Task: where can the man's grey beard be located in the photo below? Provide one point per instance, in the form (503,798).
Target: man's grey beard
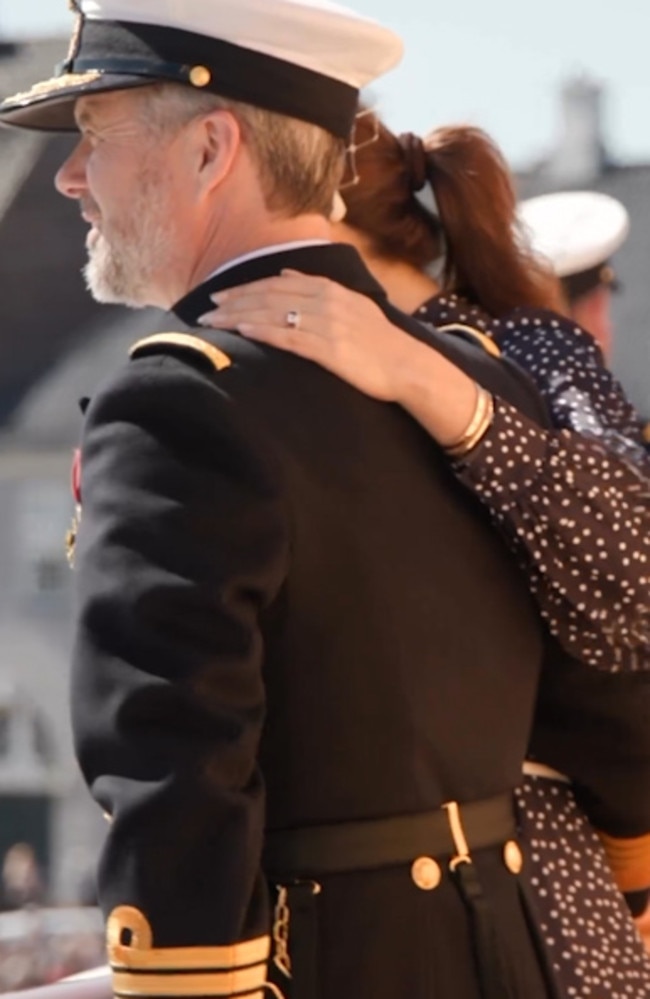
(130,267)
(114,277)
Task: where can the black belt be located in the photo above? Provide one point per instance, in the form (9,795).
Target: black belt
(453,831)
(357,846)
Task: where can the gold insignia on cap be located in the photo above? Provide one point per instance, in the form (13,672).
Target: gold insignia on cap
(53,85)
(200,76)
(186,341)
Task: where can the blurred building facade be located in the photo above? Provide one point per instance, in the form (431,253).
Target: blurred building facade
(56,345)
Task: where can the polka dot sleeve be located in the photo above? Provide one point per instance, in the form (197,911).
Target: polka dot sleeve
(569,370)
(577,517)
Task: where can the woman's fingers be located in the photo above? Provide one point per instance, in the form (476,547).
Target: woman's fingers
(267,323)
(292,284)
(305,342)
(319,320)
(320,306)
(273,314)
(274,308)
(276,303)
(230,317)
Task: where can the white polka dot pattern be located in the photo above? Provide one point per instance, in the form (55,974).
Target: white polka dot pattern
(594,949)
(567,366)
(572,507)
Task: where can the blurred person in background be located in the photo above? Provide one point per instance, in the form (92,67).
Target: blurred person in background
(22,884)
(577,233)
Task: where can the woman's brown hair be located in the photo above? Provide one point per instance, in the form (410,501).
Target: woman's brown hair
(474,224)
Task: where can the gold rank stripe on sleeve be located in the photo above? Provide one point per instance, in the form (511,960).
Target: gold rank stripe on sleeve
(239,955)
(241,983)
(186,341)
(485,341)
(140,969)
(629,860)
(258,994)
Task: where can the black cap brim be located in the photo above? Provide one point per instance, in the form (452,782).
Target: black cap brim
(110,55)
(49,106)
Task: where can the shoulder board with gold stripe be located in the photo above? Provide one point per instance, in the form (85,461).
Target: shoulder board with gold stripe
(182,341)
(485,341)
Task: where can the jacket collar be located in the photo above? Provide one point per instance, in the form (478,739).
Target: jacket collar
(337,261)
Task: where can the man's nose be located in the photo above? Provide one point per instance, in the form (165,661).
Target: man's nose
(70,179)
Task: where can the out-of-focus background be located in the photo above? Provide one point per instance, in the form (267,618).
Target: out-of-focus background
(563,86)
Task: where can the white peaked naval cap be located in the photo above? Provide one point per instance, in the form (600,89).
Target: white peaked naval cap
(576,231)
(306,59)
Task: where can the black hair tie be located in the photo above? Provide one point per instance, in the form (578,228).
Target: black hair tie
(415,156)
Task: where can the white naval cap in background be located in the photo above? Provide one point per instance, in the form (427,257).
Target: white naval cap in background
(576,232)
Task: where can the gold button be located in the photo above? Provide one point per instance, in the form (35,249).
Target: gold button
(513,857)
(200,76)
(426,873)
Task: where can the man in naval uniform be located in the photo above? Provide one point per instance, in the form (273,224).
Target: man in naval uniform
(305,667)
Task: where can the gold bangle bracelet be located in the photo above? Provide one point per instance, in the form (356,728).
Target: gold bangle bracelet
(480,428)
(477,427)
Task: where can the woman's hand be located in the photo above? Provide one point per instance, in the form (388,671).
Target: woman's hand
(348,334)
(341,330)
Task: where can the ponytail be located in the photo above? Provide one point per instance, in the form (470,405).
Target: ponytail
(487,259)
(449,198)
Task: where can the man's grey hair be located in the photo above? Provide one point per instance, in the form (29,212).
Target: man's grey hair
(300,164)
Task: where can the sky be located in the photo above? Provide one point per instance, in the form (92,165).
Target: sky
(499,64)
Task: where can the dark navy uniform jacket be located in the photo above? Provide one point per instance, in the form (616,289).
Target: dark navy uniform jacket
(289,614)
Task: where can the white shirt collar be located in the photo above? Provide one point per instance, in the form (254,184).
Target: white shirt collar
(265,251)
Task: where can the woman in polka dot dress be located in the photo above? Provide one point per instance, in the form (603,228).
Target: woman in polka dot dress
(571,503)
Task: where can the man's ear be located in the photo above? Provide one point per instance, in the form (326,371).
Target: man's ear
(219,141)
